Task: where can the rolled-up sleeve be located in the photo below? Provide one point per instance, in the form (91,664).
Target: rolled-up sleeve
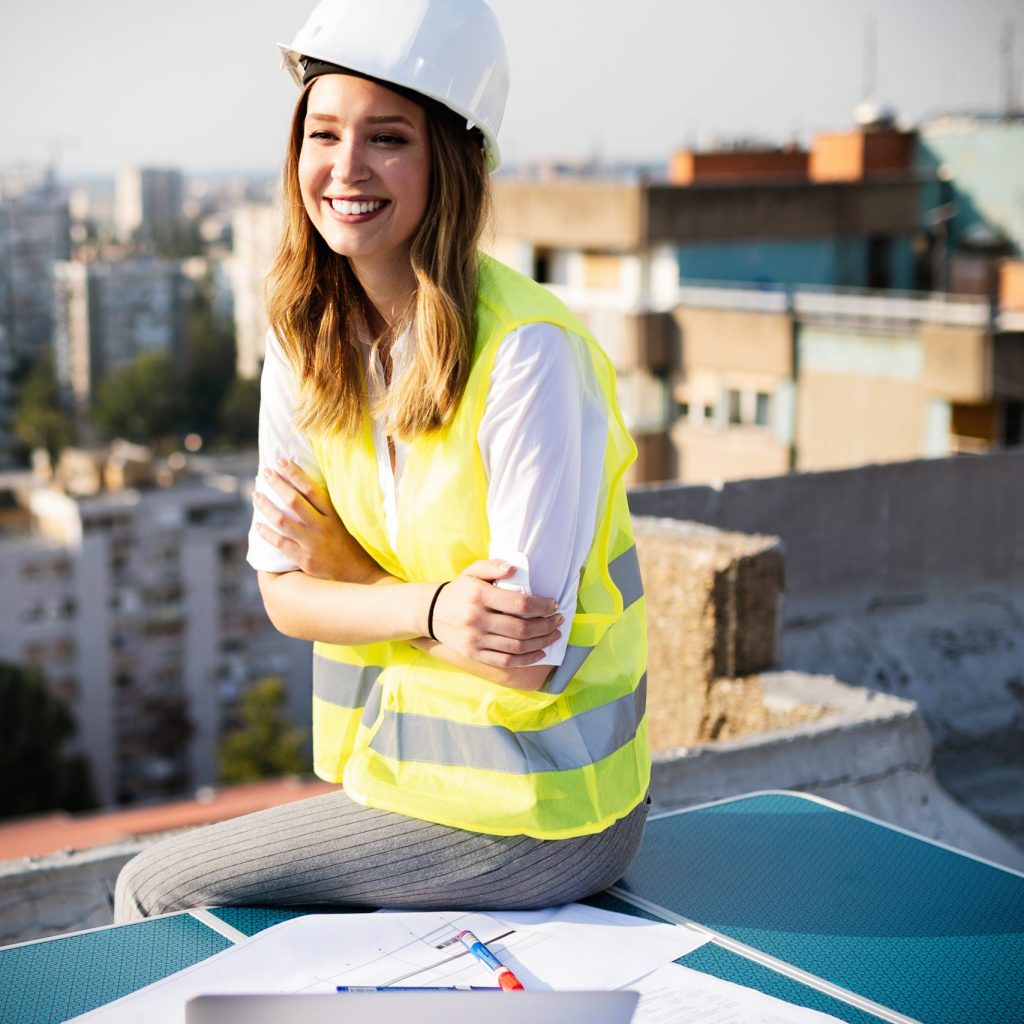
(278,438)
(542,438)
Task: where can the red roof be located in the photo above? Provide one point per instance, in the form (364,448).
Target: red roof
(48,833)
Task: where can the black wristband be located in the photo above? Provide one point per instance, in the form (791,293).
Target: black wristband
(430,614)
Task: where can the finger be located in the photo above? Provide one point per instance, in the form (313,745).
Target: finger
(499,659)
(270,536)
(514,627)
(489,569)
(511,602)
(287,547)
(315,493)
(529,645)
(294,501)
(277,519)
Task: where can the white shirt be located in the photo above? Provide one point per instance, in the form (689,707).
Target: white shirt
(542,439)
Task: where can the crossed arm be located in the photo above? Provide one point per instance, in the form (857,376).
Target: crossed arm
(339,594)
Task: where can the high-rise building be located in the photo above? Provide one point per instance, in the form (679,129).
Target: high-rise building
(34,234)
(256,229)
(108,313)
(148,201)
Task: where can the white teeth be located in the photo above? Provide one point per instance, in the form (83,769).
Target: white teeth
(346,207)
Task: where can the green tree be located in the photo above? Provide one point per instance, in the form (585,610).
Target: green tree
(41,420)
(210,361)
(265,743)
(143,401)
(35,774)
(178,239)
(240,412)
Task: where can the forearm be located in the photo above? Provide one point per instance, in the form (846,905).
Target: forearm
(378,609)
(529,677)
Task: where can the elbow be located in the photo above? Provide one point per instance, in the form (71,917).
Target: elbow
(270,584)
(530,679)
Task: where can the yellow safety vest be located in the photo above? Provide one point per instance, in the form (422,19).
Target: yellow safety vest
(408,733)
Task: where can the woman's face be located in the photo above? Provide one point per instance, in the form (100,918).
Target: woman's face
(364,169)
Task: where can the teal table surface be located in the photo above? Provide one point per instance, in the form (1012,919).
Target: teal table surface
(927,931)
(930,933)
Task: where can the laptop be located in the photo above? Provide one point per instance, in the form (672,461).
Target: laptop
(416,1008)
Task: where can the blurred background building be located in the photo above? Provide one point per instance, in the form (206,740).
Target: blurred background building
(777,310)
(126,584)
(149,202)
(34,236)
(109,312)
(255,230)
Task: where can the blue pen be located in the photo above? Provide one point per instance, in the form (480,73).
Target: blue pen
(418,988)
(505,978)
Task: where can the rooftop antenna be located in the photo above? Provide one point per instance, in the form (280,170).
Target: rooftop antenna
(870,59)
(1009,81)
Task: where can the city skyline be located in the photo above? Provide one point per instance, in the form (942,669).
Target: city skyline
(198,86)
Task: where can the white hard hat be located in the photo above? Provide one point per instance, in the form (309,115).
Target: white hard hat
(449,50)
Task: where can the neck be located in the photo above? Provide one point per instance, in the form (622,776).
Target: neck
(389,285)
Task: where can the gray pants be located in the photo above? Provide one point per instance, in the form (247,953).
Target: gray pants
(331,851)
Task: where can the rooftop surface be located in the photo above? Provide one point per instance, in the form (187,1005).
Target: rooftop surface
(49,833)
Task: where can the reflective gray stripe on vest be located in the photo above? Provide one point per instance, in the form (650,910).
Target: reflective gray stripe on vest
(347,686)
(575,743)
(625,573)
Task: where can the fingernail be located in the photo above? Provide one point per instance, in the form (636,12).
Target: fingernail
(282,461)
(559,620)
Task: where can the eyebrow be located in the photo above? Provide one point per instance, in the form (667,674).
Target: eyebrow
(383,119)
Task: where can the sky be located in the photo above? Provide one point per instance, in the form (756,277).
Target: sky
(101,84)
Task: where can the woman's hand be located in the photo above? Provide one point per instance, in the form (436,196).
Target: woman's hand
(310,533)
(500,628)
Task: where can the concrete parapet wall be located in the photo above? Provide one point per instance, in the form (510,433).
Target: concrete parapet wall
(62,892)
(907,578)
(713,601)
(876,533)
(870,752)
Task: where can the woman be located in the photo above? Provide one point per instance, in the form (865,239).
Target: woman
(439,439)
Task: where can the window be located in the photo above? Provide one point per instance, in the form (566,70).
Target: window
(762,409)
(735,406)
(542,265)
(33,613)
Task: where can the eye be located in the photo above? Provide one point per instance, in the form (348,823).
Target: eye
(387,139)
(321,134)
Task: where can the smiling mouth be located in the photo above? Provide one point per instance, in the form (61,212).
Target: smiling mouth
(344,206)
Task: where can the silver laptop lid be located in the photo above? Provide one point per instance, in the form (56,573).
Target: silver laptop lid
(416,1008)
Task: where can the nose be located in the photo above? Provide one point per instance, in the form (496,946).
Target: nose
(349,163)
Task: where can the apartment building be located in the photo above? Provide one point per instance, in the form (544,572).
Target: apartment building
(754,309)
(148,201)
(108,312)
(255,231)
(34,233)
(139,608)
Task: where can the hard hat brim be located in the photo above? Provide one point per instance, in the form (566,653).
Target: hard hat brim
(291,62)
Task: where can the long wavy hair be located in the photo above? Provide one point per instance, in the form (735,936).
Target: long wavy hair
(316,305)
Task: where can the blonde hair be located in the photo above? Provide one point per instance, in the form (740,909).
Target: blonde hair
(316,306)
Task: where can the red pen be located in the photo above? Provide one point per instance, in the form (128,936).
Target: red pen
(504,977)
